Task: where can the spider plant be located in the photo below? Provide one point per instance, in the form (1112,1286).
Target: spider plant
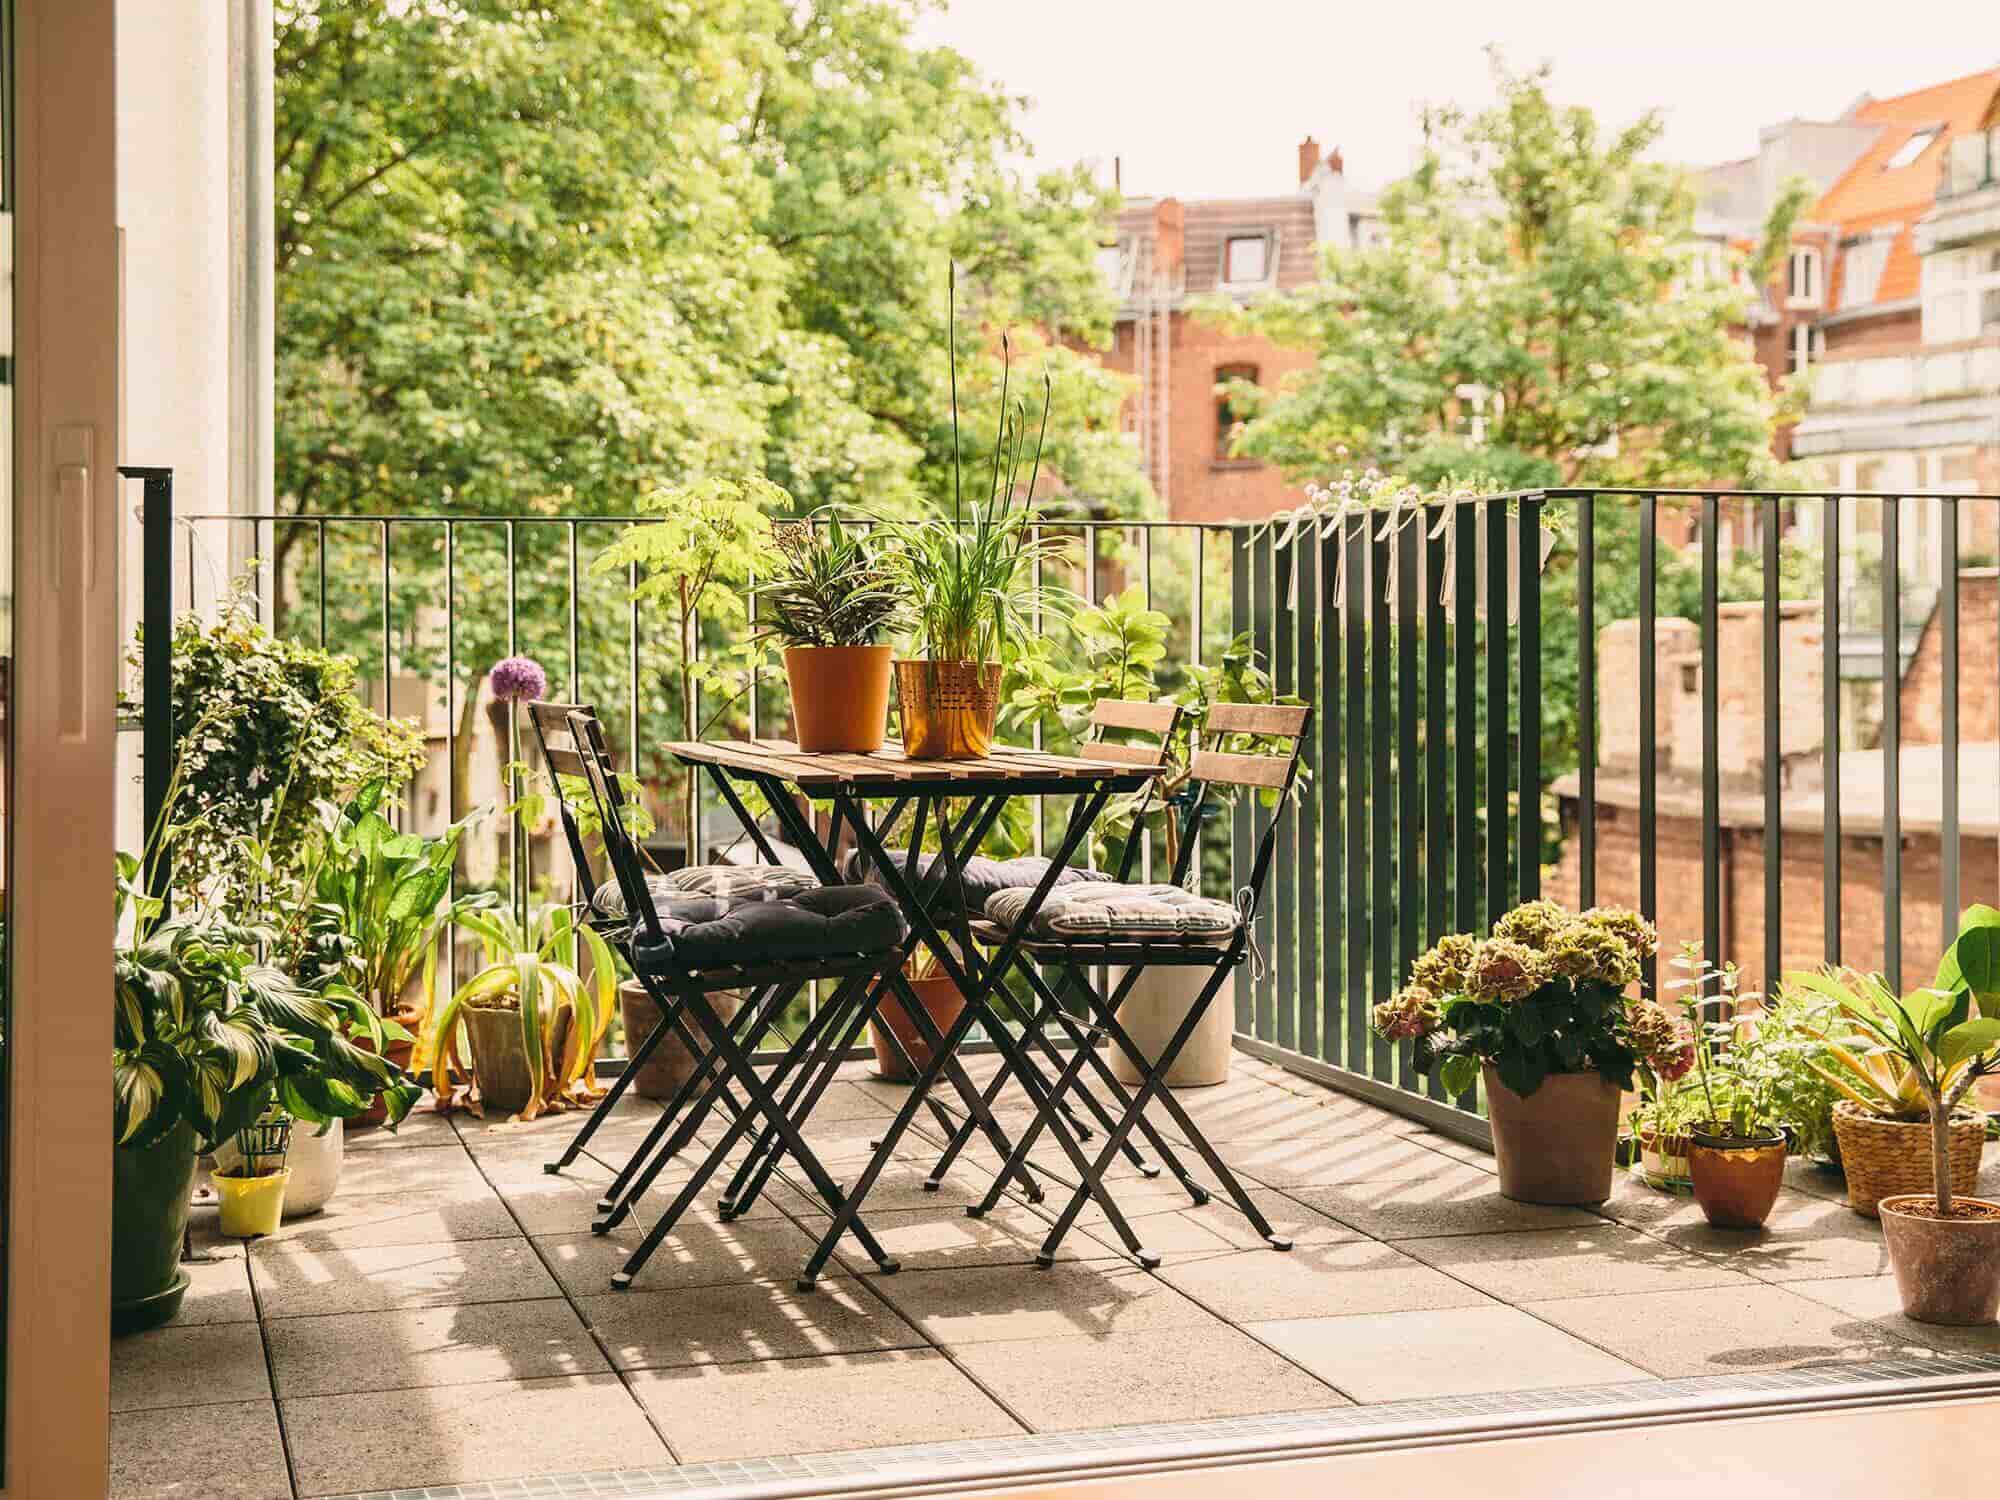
(535,969)
(829,589)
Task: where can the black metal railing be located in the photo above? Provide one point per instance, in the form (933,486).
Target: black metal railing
(1455,764)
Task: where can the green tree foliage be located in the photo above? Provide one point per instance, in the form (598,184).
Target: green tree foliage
(1547,261)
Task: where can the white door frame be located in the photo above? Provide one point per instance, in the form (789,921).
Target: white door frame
(66,444)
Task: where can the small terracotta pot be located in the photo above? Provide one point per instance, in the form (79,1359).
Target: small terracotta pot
(670,1063)
(1736,1179)
(941,1002)
(1948,1270)
(399,1053)
(1558,1144)
(840,696)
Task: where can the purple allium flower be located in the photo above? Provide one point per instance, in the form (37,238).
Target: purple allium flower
(519,678)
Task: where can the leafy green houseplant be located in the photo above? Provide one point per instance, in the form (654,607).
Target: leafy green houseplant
(827,603)
(1541,1010)
(523,1032)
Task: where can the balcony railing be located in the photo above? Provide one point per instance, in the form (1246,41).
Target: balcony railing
(1477,742)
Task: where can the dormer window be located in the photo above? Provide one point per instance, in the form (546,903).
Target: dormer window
(1247,259)
(1802,279)
(1114,264)
(1919,142)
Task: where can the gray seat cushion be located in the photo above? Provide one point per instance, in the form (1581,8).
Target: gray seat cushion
(832,921)
(983,878)
(756,882)
(1110,912)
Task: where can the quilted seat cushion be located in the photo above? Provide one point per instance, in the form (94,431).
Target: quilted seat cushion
(1109,911)
(752,882)
(822,922)
(983,878)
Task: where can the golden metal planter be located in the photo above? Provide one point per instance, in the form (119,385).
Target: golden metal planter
(948,708)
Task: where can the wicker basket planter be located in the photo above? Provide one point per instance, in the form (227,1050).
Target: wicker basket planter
(1886,1157)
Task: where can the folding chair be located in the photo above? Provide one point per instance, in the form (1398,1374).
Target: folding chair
(704,944)
(1107,716)
(1169,926)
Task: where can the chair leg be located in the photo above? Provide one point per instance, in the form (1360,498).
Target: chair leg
(610,1100)
(805,1057)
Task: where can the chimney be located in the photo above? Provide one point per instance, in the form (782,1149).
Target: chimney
(1169,238)
(1329,200)
(1308,159)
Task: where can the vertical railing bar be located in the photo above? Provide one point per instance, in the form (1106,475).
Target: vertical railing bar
(256,556)
(575,609)
(1465,712)
(1383,1060)
(1306,619)
(1035,614)
(1090,597)
(1497,744)
(388,647)
(452,790)
(1361,1049)
(1265,612)
(1437,914)
(1285,872)
(1240,620)
(321,529)
(1333,924)
(1194,655)
(1892,742)
(1528,532)
(1948,751)
(1145,834)
(756,671)
(1711,739)
(1409,771)
(1829,610)
(1586,700)
(1649,697)
(1774,809)
(632,666)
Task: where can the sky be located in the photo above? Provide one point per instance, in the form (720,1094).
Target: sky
(1211,99)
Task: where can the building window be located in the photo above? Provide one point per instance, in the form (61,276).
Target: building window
(1802,279)
(1246,259)
(1863,263)
(1808,347)
(1919,142)
(1114,264)
(1961,295)
(1225,419)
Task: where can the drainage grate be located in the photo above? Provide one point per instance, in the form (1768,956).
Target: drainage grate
(1074,1454)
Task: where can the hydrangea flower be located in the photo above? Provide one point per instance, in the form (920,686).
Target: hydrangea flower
(1443,969)
(1664,1041)
(1628,926)
(1504,971)
(1538,924)
(1585,952)
(516,679)
(1411,1013)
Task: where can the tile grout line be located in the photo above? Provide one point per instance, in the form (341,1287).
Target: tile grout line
(271,1374)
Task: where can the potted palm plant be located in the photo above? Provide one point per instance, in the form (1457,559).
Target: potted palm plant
(531,1019)
(969,587)
(826,605)
(1944,1244)
(1540,1011)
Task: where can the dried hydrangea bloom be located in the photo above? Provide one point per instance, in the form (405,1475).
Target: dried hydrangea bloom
(1632,929)
(1586,952)
(517,679)
(1663,1040)
(1504,970)
(1412,1012)
(1536,923)
(1442,971)
(790,536)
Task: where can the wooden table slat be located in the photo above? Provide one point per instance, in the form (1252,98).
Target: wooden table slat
(784,760)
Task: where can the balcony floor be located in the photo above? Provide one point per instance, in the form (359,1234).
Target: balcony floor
(448,1318)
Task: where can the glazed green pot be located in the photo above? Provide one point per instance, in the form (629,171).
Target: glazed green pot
(149,1213)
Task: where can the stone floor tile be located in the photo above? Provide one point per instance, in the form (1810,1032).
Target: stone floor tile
(294,1281)
(423,1126)
(985,1303)
(1803,1175)
(1219,1225)
(1118,1379)
(1314,1281)
(1456,1199)
(357,1220)
(1458,1351)
(1327,1157)
(700,1252)
(752,1320)
(1720,1330)
(461,1434)
(369,1172)
(180,1452)
(1585,1261)
(421,1347)
(817,1405)
(189,1366)
(1877,1299)
(218,1291)
(942,1237)
(1805,1239)
(1637,1204)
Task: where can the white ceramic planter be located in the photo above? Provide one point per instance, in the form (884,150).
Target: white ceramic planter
(315,1162)
(1153,1012)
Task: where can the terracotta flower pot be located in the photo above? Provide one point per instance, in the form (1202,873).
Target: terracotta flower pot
(948,708)
(1558,1144)
(1736,1180)
(670,1063)
(840,696)
(1948,1270)
(399,1053)
(941,1001)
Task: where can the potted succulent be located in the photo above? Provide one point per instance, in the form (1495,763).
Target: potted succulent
(826,605)
(969,587)
(532,1018)
(1884,1120)
(1944,1244)
(1540,1011)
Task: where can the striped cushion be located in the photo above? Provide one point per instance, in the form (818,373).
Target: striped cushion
(1107,910)
(731,882)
